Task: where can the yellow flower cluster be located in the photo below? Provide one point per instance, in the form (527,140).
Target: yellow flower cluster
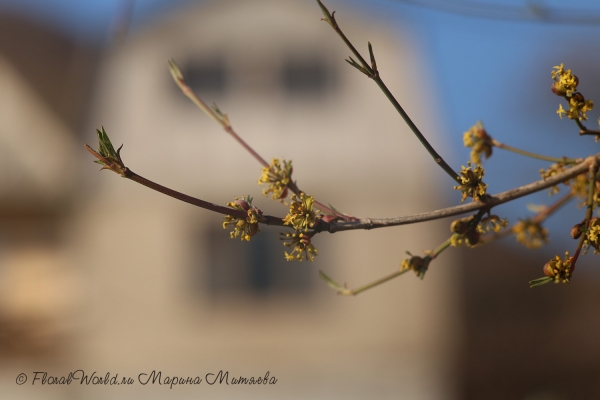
(417,264)
(471,182)
(565,82)
(278,177)
(479,141)
(465,232)
(550,172)
(301,215)
(578,107)
(559,269)
(492,223)
(247,227)
(468,232)
(302,247)
(565,85)
(471,238)
(529,234)
(579,185)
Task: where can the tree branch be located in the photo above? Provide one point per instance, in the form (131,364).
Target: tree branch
(125,172)
(492,201)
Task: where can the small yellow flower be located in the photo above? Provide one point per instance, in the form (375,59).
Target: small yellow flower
(479,141)
(243,228)
(492,223)
(302,246)
(561,111)
(559,70)
(529,234)
(301,215)
(471,182)
(278,178)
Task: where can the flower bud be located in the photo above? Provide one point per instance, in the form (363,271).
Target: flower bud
(252,229)
(243,204)
(549,269)
(459,226)
(416,263)
(578,97)
(482,134)
(576,231)
(558,89)
(472,237)
(284,193)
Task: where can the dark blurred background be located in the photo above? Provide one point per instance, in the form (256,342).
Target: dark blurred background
(99,274)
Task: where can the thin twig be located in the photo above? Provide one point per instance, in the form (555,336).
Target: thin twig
(436,252)
(430,256)
(372,72)
(589,132)
(580,125)
(593,169)
(221,119)
(563,160)
(354,292)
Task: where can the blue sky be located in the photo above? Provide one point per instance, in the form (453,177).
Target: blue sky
(87,19)
(498,71)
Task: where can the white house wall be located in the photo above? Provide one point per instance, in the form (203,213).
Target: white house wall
(349,149)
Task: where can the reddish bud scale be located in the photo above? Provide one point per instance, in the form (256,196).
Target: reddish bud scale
(472,237)
(548,270)
(329,218)
(243,204)
(304,239)
(576,231)
(284,193)
(558,89)
(578,97)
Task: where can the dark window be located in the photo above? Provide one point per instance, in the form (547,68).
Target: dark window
(257,267)
(309,76)
(206,76)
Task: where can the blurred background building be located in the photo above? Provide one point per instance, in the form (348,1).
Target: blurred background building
(101,274)
(45,80)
